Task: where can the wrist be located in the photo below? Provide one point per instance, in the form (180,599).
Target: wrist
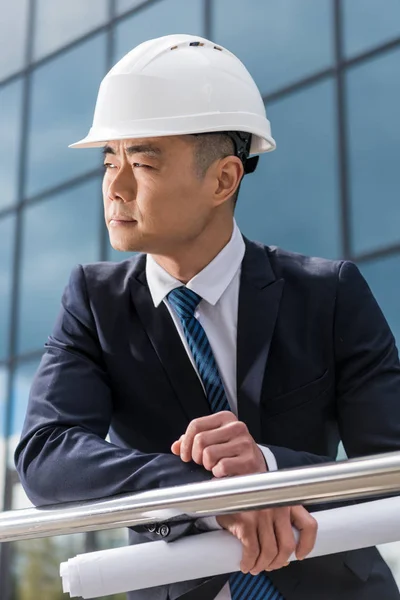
(262,461)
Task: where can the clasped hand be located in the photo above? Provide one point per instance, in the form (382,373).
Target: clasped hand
(224,446)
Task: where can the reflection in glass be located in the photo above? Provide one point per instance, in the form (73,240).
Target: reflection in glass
(374,134)
(7,228)
(63,98)
(292,198)
(111,538)
(10,123)
(124,5)
(21,383)
(58,233)
(36,563)
(58,23)
(160,18)
(3,401)
(368,23)
(279,42)
(383,276)
(13,31)
(116,255)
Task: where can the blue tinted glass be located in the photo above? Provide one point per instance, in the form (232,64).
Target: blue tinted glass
(383,276)
(13,29)
(374,140)
(160,18)
(292,198)
(7,228)
(36,563)
(279,42)
(116,255)
(3,399)
(21,383)
(124,5)
(58,233)
(63,99)
(57,23)
(10,127)
(368,23)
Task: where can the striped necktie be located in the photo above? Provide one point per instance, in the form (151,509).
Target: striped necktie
(184,302)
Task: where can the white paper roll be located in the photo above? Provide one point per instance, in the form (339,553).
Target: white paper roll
(216,552)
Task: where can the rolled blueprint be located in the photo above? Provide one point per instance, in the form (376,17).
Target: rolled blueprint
(216,552)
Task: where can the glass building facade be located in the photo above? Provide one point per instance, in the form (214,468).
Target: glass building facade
(329,71)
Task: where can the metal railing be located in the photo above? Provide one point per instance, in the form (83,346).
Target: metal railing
(356,478)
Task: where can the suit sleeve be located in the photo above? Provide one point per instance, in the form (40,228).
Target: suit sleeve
(63,455)
(367,374)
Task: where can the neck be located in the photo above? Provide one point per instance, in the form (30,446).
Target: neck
(192,257)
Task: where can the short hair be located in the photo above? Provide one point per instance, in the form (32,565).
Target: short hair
(209,147)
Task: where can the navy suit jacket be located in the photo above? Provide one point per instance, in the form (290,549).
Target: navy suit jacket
(316,363)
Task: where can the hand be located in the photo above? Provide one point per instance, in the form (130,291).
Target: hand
(267,536)
(222,444)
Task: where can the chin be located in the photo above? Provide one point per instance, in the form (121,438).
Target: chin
(124,245)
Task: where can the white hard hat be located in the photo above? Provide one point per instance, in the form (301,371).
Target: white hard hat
(178,85)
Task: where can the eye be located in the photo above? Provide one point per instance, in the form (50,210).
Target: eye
(108,166)
(140,165)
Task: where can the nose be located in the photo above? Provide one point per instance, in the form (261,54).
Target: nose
(122,187)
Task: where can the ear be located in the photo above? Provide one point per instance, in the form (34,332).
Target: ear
(229,173)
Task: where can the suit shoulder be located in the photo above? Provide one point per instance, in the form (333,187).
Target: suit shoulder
(112,274)
(295,266)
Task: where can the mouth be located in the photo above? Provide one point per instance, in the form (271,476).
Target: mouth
(120,221)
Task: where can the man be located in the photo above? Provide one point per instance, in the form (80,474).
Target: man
(207,355)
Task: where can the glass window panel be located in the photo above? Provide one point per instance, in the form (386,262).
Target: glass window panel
(292,198)
(10,127)
(3,401)
(124,5)
(116,255)
(58,233)
(35,569)
(63,99)
(58,23)
(21,383)
(368,23)
(112,538)
(374,134)
(383,276)
(7,230)
(13,31)
(279,42)
(160,18)
(36,563)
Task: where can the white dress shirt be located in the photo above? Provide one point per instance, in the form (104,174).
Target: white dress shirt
(218,285)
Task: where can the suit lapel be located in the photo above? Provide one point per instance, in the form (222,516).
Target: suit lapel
(168,346)
(259,298)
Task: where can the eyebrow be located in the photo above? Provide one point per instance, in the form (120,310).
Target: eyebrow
(149,150)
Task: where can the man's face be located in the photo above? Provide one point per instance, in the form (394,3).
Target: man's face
(154,201)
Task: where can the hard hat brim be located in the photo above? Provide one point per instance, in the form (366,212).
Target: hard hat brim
(262,140)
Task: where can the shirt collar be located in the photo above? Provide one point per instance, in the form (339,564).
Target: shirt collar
(210,283)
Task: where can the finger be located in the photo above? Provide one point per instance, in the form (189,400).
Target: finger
(308,529)
(267,541)
(176,446)
(285,538)
(209,446)
(251,547)
(230,466)
(201,424)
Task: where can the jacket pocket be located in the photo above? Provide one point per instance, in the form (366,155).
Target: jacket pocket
(299,396)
